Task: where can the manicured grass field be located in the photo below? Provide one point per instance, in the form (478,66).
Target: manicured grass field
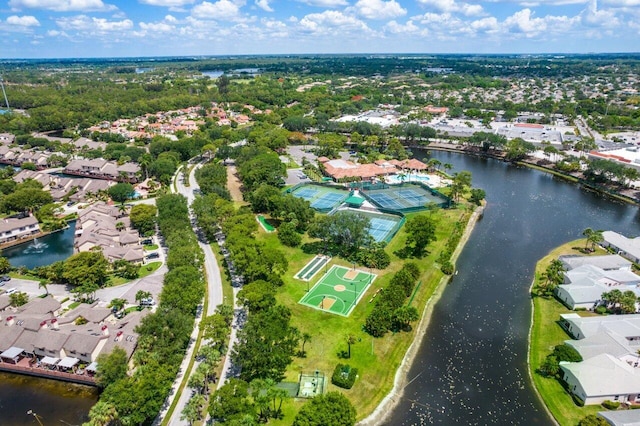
(339,290)
(545,335)
(376,359)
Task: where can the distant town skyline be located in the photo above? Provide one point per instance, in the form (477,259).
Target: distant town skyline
(119,28)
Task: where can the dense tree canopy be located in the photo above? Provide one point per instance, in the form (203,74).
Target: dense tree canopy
(331,409)
(266,344)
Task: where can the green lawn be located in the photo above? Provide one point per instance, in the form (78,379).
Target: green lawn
(148,269)
(545,335)
(376,359)
(151,247)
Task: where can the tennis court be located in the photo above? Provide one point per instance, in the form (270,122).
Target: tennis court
(382,226)
(404,197)
(322,198)
(339,290)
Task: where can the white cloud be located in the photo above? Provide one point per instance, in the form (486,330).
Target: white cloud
(167,3)
(264,5)
(594,17)
(450,6)
(222,9)
(85,23)
(485,25)
(379,9)
(156,27)
(524,22)
(396,28)
(623,3)
(325,3)
(23,21)
(330,20)
(62,5)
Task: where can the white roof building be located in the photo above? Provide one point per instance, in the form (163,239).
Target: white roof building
(585,284)
(626,247)
(602,378)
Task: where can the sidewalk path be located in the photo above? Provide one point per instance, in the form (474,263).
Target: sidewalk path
(214,294)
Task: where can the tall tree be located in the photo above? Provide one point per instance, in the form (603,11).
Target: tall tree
(332,409)
(421,231)
(266,344)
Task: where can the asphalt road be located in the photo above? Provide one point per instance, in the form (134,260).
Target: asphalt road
(214,294)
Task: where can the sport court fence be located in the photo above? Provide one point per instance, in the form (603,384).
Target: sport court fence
(380,187)
(376,213)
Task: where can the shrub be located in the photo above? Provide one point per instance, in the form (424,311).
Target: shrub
(344,376)
(447,268)
(611,405)
(566,353)
(601,310)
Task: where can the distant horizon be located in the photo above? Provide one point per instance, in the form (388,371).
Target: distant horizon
(267,55)
(54,29)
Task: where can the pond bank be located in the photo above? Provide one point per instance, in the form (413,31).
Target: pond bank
(384,409)
(498,155)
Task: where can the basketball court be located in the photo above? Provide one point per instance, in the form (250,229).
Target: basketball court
(339,290)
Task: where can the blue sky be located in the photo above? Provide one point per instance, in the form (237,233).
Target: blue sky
(103,28)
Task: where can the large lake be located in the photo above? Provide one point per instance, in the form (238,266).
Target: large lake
(471,368)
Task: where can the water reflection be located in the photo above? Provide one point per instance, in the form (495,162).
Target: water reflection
(55,403)
(471,368)
(42,251)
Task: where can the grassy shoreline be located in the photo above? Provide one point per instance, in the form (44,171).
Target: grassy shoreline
(544,334)
(382,362)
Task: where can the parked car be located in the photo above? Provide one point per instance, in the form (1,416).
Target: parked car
(147,302)
(147,242)
(153,255)
(11,290)
(5,278)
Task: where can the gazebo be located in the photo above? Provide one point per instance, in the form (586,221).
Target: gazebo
(49,361)
(354,201)
(12,355)
(68,362)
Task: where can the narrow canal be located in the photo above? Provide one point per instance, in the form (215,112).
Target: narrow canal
(471,368)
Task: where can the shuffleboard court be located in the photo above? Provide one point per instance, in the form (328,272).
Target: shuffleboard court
(339,290)
(312,268)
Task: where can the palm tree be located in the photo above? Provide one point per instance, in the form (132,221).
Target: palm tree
(118,304)
(43,284)
(593,238)
(102,413)
(587,233)
(141,295)
(305,338)
(351,339)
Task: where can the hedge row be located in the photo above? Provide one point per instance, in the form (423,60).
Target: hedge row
(163,335)
(452,243)
(389,312)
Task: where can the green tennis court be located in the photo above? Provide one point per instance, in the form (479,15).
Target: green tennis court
(322,198)
(339,290)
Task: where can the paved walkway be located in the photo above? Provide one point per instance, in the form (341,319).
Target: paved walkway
(215,298)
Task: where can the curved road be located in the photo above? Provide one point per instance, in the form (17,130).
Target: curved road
(214,294)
